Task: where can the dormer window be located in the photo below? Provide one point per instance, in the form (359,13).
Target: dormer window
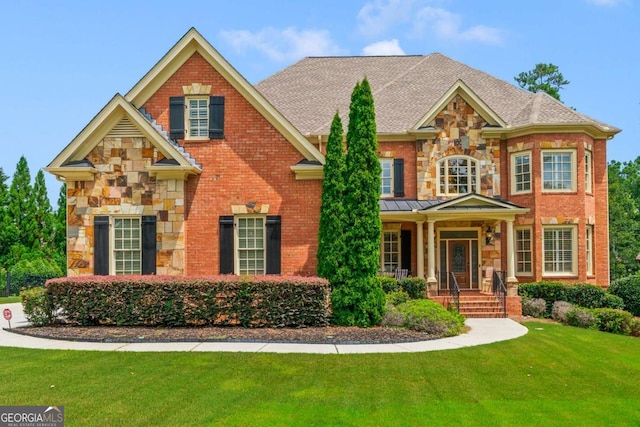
(458,175)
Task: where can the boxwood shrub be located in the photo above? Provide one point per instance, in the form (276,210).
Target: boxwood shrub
(611,320)
(414,286)
(249,301)
(426,316)
(580,294)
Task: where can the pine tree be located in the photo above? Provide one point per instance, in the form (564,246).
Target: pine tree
(331,238)
(360,299)
(21,206)
(8,235)
(43,216)
(60,229)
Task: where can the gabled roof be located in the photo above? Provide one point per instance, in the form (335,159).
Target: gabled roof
(406,90)
(193,42)
(71,162)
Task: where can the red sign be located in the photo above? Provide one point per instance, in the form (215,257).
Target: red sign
(6,313)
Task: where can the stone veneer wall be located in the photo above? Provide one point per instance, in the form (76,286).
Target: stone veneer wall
(459,129)
(123,187)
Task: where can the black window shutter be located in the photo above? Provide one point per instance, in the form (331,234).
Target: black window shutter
(226,245)
(148,244)
(405,248)
(101,245)
(216,117)
(176,117)
(398,177)
(273,244)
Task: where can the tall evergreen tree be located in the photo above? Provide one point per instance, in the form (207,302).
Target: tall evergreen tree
(43,216)
(60,229)
(360,299)
(8,235)
(21,206)
(331,238)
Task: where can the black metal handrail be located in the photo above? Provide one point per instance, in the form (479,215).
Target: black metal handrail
(500,290)
(454,291)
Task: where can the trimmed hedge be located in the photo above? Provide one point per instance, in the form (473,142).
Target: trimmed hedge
(628,288)
(581,294)
(414,286)
(248,301)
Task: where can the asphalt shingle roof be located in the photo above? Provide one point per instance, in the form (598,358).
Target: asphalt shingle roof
(309,92)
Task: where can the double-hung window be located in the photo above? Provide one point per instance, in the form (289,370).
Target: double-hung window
(523,251)
(198,117)
(589,249)
(390,251)
(521,173)
(127,247)
(251,245)
(559,250)
(558,170)
(588,172)
(458,175)
(386,177)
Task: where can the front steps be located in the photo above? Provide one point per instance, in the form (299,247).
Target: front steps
(474,304)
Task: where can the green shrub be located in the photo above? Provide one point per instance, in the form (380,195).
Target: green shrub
(249,301)
(37,306)
(534,307)
(392,317)
(628,288)
(581,317)
(548,291)
(414,286)
(389,284)
(585,295)
(634,330)
(612,301)
(560,311)
(31,273)
(3,282)
(395,298)
(612,320)
(430,317)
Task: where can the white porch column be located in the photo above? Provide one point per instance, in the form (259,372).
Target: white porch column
(511,255)
(420,244)
(431,253)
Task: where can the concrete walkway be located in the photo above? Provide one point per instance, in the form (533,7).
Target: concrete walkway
(483,331)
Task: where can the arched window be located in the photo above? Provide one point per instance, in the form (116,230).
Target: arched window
(458,175)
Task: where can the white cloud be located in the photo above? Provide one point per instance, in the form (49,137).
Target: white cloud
(285,45)
(383,48)
(448,26)
(379,16)
(605,2)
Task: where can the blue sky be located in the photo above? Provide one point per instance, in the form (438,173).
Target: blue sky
(62,61)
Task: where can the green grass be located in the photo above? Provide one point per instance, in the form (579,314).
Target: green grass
(555,375)
(9,300)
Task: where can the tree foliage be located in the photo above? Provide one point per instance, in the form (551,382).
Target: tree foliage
(21,205)
(624,218)
(331,237)
(359,300)
(544,77)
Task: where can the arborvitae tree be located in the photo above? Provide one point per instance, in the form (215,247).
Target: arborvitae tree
(43,215)
(360,299)
(21,205)
(331,238)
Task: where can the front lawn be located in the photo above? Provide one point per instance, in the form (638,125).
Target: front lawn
(555,375)
(9,300)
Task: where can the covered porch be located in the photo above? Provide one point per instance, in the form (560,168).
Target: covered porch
(465,244)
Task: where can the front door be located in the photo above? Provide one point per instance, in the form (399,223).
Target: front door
(459,256)
(459,261)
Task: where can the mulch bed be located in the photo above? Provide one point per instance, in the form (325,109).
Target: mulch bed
(312,335)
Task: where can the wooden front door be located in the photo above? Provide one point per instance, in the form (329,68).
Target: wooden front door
(459,262)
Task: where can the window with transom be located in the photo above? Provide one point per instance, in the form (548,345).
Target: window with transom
(458,175)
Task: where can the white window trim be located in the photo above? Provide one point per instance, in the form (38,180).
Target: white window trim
(514,183)
(236,242)
(382,251)
(588,172)
(589,249)
(391,171)
(187,121)
(573,170)
(112,242)
(574,252)
(530,251)
(474,189)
